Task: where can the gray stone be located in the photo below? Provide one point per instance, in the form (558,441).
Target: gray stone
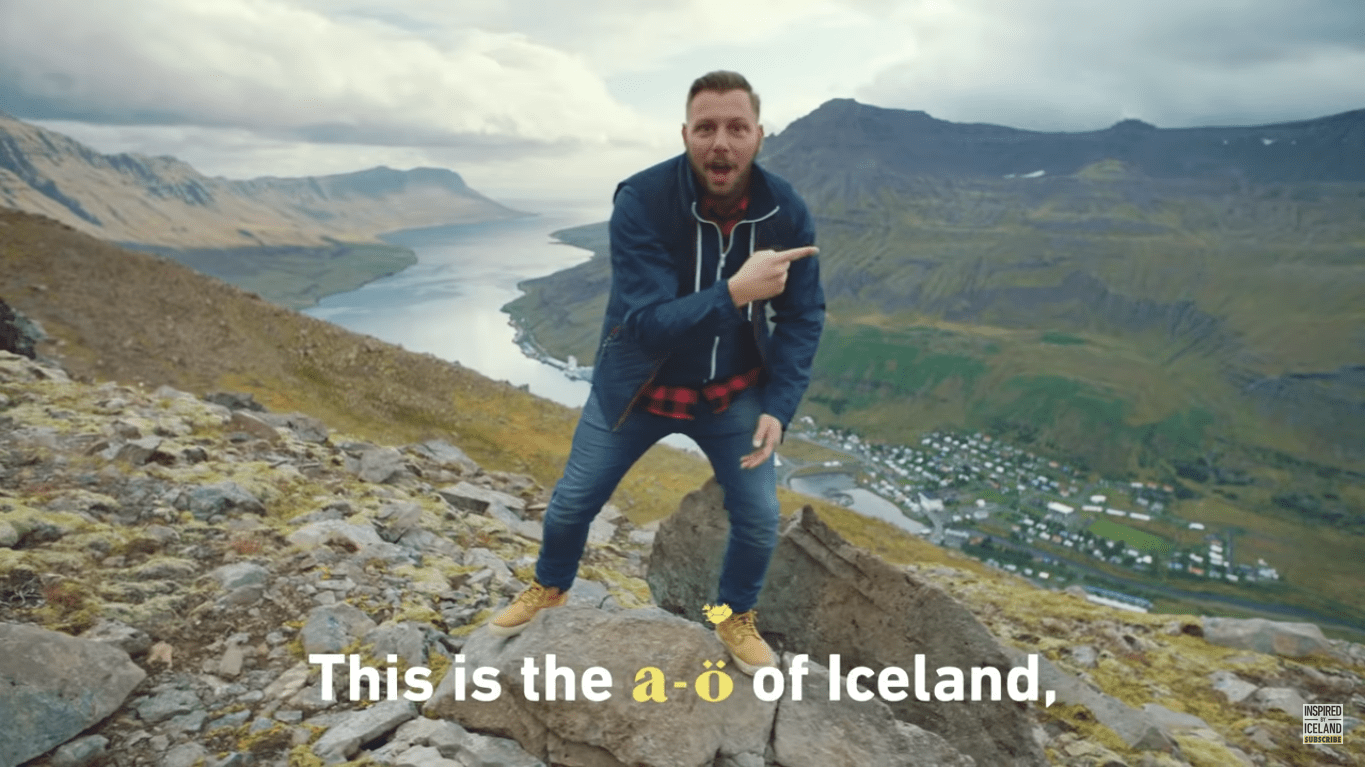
(425,756)
(484,751)
(363,540)
(1285,699)
(683,730)
(166,704)
(305,428)
(396,519)
(139,451)
(192,722)
(446,455)
(1292,640)
(240,574)
(592,594)
(379,465)
(600,531)
(817,732)
(230,665)
(1232,686)
(480,500)
(331,627)
(223,498)
(825,596)
(250,423)
(128,639)
(235,719)
(406,640)
(1172,721)
(55,687)
(344,739)
(1137,728)
(1084,656)
(79,752)
(184,755)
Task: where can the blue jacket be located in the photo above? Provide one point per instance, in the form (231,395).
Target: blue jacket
(670,304)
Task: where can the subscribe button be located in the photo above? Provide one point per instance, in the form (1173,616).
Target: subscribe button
(1324,723)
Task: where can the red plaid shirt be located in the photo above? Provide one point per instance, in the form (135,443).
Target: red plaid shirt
(725,218)
(677,401)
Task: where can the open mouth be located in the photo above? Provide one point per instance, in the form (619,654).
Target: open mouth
(720,173)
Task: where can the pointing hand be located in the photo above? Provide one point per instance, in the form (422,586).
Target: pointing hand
(764,275)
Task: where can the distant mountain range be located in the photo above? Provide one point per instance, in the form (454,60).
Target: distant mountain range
(869,143)
(1181,304)
(290,240)
(162,201)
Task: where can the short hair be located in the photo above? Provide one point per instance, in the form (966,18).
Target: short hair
(721,81)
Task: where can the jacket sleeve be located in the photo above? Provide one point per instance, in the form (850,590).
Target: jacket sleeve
(645,277)
(798,319)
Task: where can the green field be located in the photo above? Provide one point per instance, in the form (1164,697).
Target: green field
(1142,541)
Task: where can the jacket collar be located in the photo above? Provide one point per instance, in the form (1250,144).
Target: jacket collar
(762,203)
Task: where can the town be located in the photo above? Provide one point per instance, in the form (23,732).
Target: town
(1028,514)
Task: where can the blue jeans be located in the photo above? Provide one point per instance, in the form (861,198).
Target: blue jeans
(600,457)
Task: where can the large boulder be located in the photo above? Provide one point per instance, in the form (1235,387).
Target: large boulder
(55,686)
(18,334)
(682,731)
(824,596)
(688,727)
(1294,640)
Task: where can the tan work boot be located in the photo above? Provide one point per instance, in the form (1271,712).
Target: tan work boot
(740,636)
(518,615)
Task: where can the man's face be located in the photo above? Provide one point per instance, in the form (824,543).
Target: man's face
(722,136)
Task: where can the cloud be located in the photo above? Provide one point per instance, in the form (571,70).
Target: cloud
(1069,65)
(291,71)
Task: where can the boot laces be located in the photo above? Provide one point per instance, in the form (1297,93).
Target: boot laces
(745,626)
(536,595)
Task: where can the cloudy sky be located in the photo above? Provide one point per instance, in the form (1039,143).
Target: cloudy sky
(532,99)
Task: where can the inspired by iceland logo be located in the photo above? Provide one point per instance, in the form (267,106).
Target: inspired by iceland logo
(1324,723)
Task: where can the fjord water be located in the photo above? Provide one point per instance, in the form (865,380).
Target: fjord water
(449,303)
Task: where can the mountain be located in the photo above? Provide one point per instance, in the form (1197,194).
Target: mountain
(290,240)
(161,201)
(845,137)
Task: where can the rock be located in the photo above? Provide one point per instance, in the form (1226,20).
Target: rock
(1137,728)
(239,574)
(166,704)
(1285,699)
(425,756)
(381,464)
(139,451)
(235,401)
(482,751)
(1293,640)
(305,428)
(406,640)
(1234,687)
(478,500)
(446,455)
(331,627)
(224,498)
(128,639)
(248,423)
(344,739)
(79,752)
(361,540)
(184,755)
(1171,721)
(230,665)
(1084,656)
(819,732)
(396,519)
(847,601)
(55,687)
(683,730)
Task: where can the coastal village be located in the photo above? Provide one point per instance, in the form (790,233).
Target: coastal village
(1034,516)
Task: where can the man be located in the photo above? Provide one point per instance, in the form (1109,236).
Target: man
(701,247)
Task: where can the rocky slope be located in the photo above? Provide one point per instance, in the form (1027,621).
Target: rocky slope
(205,548)
(163,202)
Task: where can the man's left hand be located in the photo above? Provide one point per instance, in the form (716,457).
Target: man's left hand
(766,438)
